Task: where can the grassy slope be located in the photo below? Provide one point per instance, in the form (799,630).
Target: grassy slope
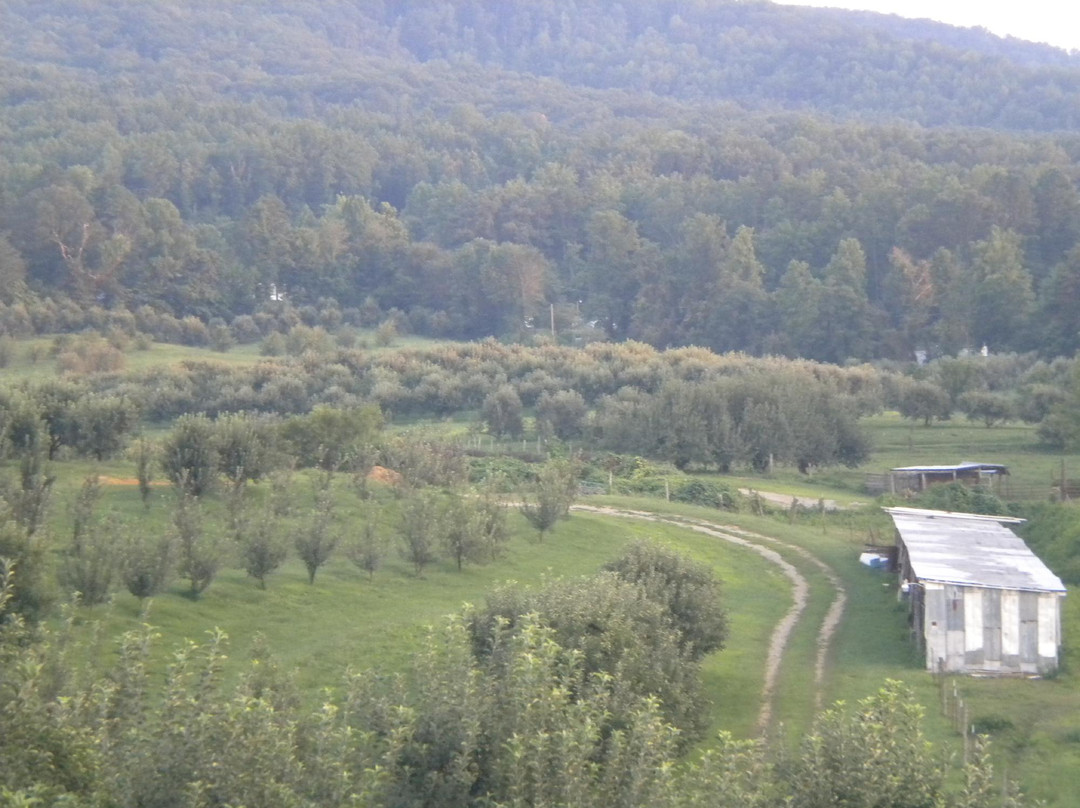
(31,357)
(899,442)
(1037,723)
(344,620)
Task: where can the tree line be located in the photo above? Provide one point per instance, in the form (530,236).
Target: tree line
(688,406)
(393,163)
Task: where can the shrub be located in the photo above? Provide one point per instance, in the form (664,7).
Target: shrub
(303,339)
(502,412)
(687,590)
(273,345)
(90,354)
(188,456)
(708,493)
(962,498)
(221,338)
(245,329)
(7,350)
(193,331)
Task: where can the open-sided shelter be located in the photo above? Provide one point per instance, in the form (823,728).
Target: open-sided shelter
(981,601)
(919,478)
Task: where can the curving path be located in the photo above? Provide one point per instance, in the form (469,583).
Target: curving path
(757,543)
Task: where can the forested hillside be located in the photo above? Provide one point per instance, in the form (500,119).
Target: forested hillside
(735,175)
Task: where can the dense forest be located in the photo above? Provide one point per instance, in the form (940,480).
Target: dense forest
(739,176)
(669,239)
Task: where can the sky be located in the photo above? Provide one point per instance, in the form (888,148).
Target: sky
(1056,22)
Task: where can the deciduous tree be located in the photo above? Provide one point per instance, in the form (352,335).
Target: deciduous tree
(200,554)
(552,495)
(188,455)
(317,538)
(421,529)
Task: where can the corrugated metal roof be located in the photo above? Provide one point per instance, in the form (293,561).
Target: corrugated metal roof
(971,550)
(992,468)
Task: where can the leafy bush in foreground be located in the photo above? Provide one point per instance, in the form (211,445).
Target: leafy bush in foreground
(528,725)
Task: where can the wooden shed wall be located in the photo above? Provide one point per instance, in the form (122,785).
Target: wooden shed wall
(971,629)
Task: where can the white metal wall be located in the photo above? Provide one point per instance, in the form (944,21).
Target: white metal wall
(995,630)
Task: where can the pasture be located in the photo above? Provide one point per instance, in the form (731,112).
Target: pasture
(346,621)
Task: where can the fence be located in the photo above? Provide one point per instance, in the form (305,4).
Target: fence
(1006,489)
(954,708)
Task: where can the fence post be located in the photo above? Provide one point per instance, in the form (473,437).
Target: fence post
(967,737)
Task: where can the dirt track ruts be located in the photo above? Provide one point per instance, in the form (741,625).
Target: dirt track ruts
(800,595)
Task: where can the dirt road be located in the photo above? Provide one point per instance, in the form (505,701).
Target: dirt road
(785,500)
(764,546)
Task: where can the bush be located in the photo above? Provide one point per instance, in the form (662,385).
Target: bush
(509,473)
(193,331)
(303,339)
(990,408)
(961,498)
(273,345)
(706,492)
(221,339)
(7,350)
(688,591)
(616,629)
(189,457)
(245,329)
(502,412)
(90,354)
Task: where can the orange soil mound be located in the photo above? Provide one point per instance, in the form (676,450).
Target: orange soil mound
(127,481)
(381,474)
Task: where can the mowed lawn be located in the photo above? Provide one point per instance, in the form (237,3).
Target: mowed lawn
(897,442)
(1033,468)
(347,621)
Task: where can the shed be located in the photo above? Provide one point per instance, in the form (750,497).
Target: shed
(980,600)
(919,478)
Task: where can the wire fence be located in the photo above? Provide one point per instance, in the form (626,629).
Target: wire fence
(955,709)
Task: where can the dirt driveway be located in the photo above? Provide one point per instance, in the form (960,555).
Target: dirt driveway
(765,546)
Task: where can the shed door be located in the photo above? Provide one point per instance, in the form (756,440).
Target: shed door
(1010,630)
(991,627)
(974,656)
(954,626)
(1029,629)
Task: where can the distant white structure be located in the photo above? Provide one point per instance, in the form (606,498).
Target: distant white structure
(981,601)
(276,295)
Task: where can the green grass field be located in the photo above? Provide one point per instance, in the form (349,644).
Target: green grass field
(32,358)
(346,621)
(1033,469)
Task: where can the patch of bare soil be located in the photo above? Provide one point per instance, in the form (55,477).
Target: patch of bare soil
(381,474)
(787,500)
(105,480)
